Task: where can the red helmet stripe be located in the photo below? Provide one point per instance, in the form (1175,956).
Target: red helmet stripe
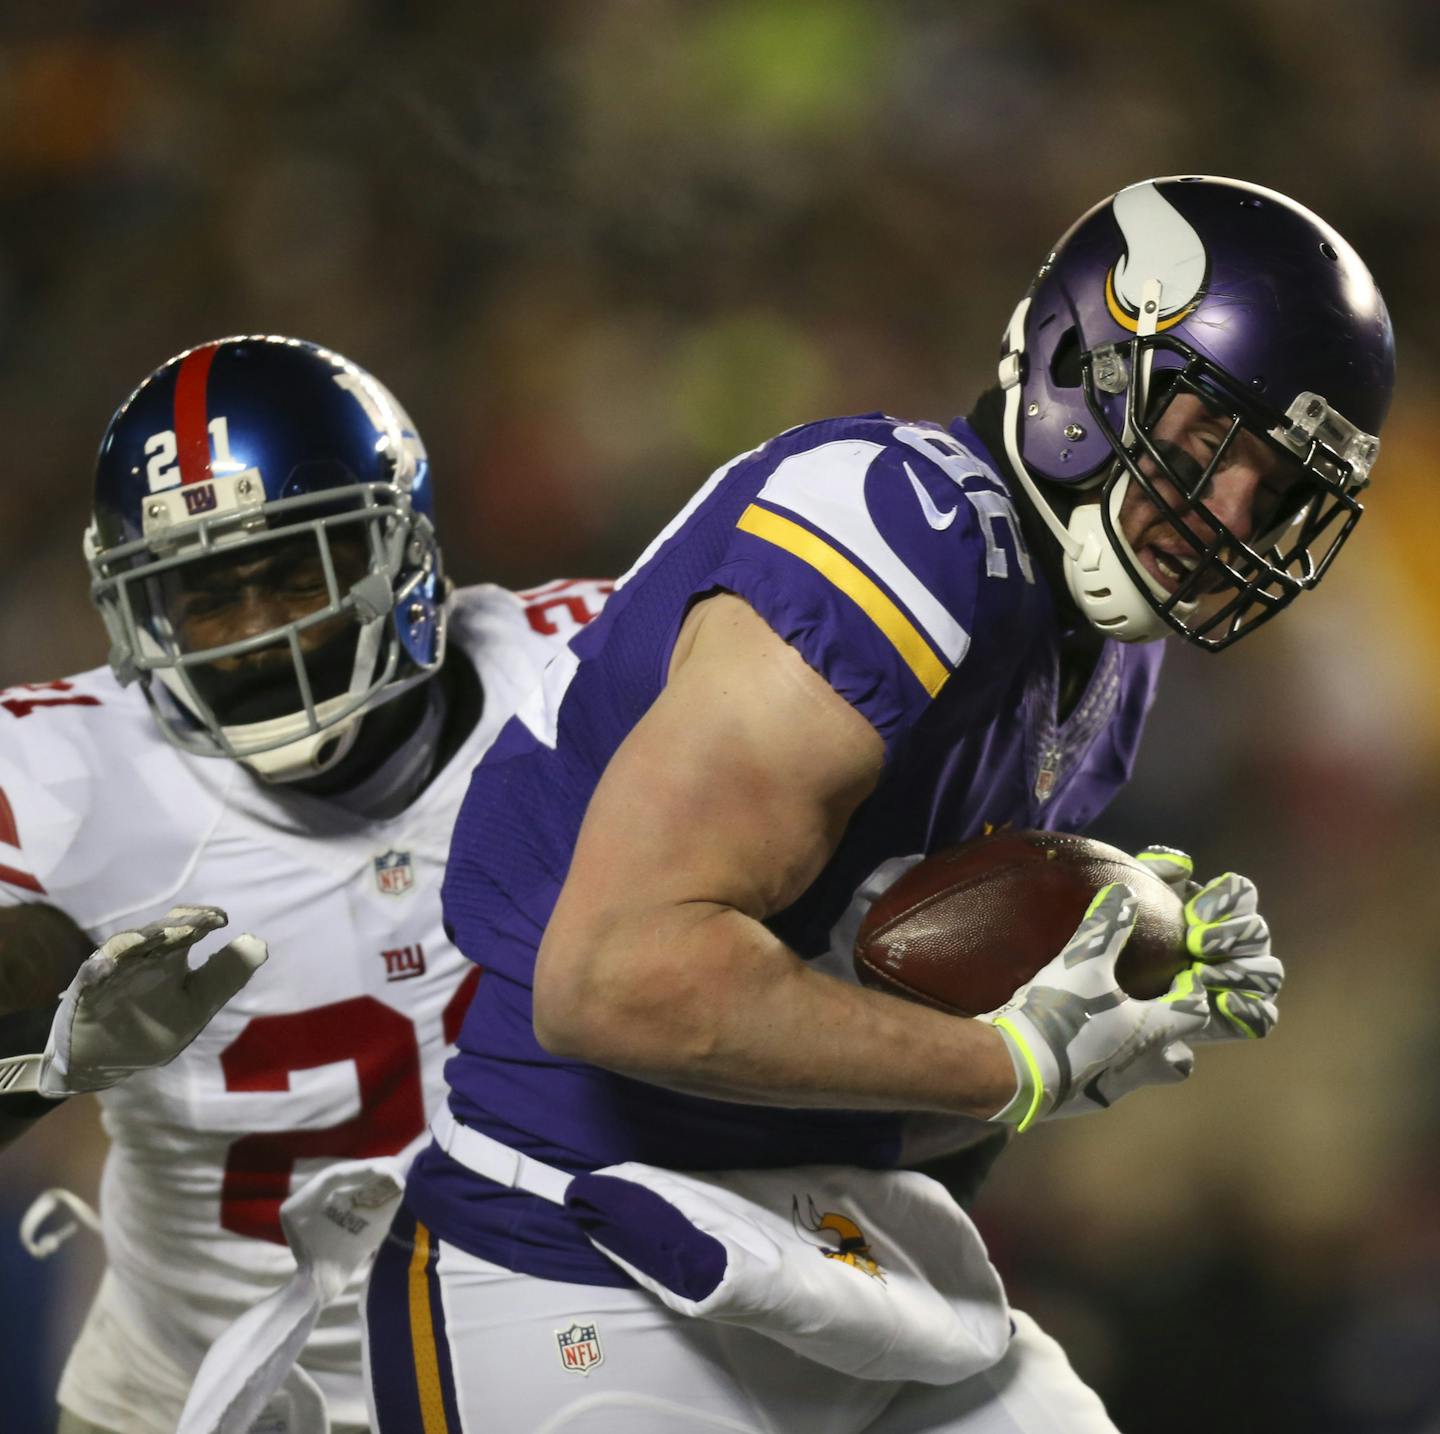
(192,438)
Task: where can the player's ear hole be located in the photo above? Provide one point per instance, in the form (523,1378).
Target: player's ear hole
(1065,362)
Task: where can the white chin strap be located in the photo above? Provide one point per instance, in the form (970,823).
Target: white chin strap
(308,754)
(297,752)
(1097,579)
(291,749)
(1099,582)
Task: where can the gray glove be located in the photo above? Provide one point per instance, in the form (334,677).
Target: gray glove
(1231,941)
(1077,1041)
(135,1004)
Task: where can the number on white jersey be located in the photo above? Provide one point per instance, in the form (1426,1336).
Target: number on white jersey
(565,606)
(385,1050)
(551,610)
(24,706)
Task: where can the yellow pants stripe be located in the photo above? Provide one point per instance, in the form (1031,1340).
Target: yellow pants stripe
(904,636)
(422,1339)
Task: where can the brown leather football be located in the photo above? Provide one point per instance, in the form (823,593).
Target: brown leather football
(964,929)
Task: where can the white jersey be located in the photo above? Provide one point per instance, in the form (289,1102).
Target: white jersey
(335,1048)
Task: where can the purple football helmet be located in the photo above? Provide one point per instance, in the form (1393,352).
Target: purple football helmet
(1257,309)
(267,455)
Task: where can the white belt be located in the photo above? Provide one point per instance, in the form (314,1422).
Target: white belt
(495,1161)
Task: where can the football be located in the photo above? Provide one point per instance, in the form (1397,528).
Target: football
(965,928)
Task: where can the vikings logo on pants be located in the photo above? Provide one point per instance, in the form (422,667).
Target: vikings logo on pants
(842,1240)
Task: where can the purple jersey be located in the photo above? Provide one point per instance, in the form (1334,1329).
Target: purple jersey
(891,556)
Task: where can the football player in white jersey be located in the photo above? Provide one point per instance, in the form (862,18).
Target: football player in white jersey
(264,558)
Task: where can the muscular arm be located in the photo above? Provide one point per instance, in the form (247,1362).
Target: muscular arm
(40,951)
(720,809)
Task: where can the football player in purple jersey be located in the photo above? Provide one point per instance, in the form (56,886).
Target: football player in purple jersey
(863,640)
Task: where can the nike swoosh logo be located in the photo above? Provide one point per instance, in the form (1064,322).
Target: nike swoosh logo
(938,518)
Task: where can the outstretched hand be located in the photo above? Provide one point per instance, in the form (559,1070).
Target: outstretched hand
(136,1004)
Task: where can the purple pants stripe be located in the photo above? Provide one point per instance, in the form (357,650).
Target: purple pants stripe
(411,1378)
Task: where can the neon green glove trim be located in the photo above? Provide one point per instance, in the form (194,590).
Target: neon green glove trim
(1195,929)
(1172,858)
(1036,1080)
(1099,897)
(1195,934)
(1182,986)
(1195,937)
(1222,1004)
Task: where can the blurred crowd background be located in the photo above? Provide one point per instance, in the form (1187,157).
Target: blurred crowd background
(599,246)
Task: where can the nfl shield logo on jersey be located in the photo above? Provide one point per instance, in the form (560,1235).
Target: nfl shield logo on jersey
(579,1348)
(394,874)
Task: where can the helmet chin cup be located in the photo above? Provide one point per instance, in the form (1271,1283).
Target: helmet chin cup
(307,756)
(280,749)
(1101,586)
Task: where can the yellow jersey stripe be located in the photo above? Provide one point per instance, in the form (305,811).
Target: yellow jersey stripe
(422,1339)
(906,638)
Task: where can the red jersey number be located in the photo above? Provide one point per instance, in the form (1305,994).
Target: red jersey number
(24,706)
(578,600)
(382,1045)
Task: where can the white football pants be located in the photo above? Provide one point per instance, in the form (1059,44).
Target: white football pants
(457,1345)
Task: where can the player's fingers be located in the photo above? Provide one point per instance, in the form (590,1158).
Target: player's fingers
(1179,1061)
(1235,938)
(159,937)
(203,919)
(1187,1004)
(133,950)
(178,930)
(1227,895)
(1256,975)
(1104,931)
(1241,1016)
(1223,919)
(224,972)
(1175,868)
(1161,1064)
(126,941)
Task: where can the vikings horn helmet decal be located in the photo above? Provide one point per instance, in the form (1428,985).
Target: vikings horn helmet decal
(1159,242)
(1270,322)
(265,464)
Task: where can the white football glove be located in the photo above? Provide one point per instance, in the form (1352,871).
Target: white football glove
(136,1004)
(1231,941)
(1077,1041)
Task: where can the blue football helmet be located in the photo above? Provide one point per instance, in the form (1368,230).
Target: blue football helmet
(262,455)
(1249,304)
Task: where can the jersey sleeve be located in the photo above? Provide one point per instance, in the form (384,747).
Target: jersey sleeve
(876,551)
(45,799)
(97,817)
